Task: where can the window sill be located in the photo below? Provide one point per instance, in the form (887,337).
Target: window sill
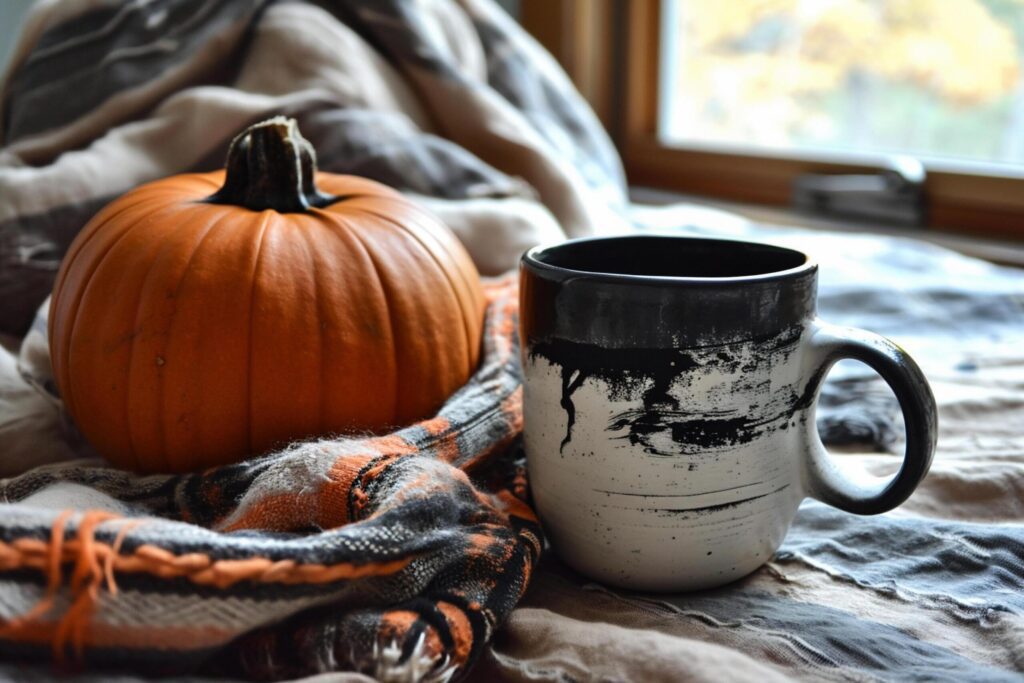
(996,251)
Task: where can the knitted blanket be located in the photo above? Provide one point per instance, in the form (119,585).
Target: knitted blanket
(402,555)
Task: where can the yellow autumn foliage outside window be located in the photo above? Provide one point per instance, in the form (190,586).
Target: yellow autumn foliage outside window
(933,77)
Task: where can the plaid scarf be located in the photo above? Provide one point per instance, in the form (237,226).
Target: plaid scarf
(381,554)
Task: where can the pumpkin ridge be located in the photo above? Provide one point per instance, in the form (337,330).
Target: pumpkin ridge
(89,328)
(344,224)
(478,304)
(309,250)
(197,188)
(254,278)
(432,257)
(88,233)
(62,275)
(214,221)
(471,350)
(402,413)
(332,227)
(68,393)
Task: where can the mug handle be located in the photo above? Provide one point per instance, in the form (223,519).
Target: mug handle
(823,479)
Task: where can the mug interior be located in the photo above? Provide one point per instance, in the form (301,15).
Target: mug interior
(669,256)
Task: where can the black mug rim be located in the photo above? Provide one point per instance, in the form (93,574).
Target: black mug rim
(532,260)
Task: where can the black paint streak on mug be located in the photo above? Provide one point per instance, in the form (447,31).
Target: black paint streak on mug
(624,370)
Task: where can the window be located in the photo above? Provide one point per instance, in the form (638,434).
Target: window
(936,79)
(735,99)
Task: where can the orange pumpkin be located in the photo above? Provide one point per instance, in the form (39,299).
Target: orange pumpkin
(203,318)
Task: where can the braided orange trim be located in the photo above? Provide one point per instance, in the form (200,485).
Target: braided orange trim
(93,561)
(197,567)
(73,624)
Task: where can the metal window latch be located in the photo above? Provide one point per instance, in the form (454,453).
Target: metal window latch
(894,195)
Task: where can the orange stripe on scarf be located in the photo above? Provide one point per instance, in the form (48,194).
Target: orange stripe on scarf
(132,636)
(461,630)
(446,445)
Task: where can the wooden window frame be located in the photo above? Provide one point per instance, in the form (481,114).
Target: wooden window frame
(611,49)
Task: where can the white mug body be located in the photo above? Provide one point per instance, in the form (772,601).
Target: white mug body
(669,388)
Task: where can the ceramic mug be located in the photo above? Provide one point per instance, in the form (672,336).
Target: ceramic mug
(670,389)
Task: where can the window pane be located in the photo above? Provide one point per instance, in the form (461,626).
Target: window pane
(932,78)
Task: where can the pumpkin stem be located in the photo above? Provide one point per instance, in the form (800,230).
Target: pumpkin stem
(271,166)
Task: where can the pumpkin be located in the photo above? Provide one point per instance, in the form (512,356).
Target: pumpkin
(204,318)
